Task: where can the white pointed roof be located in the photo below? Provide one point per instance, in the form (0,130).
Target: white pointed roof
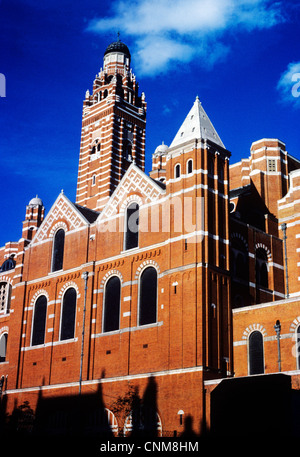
(196,125)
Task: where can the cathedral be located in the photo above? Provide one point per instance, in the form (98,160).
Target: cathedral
(154,298)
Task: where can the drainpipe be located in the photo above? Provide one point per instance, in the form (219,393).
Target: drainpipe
(283,228)
(277,328)
(85,276)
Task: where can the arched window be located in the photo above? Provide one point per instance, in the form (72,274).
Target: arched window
(148,296)
(261,266)
(256,353)
(5,297)
(96,147)
(67,328)
(39,321)
(177,171)
(143,417)
(112,295)
(8,264)
(58,250)
(3,346)
(189,166)
(132,226)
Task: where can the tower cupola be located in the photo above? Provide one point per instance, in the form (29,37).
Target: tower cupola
(34,216)
(116,58)
(117,47)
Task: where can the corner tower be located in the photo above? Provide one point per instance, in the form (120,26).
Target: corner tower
(113,129)
(197,167)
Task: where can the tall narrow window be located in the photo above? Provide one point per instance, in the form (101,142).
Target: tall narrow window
(148,296)
(189,166)
(39,321)
(127,150)
(5,297)
(3,346)
(132,226)
(256,353)
(261,266)
(67,329)
(211,166)
(177,170)
(58,250)
(112,295)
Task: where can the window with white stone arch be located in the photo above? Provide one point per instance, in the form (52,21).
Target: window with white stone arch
(112,421)
(111,304)
(3,346)
(68,314)
(103,420)
(189,166)
(58,250)
(128,425)
(256,353)
(261,267)
(5,297)
(39,320)
(131,220)
(147,306)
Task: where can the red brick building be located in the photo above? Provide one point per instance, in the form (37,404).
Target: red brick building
(150,289)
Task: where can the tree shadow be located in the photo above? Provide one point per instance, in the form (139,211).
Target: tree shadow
(145,419)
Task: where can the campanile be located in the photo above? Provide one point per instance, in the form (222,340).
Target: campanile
(113,129)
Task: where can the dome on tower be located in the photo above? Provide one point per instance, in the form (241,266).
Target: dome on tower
(161,149)
(117,46)
(36,201)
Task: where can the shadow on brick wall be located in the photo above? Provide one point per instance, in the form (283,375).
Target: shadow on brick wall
(74,418)
(255,406)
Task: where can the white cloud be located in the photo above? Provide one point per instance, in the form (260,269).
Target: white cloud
(168,32)
(289,84)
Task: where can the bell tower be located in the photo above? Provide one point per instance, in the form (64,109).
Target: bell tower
(113,129)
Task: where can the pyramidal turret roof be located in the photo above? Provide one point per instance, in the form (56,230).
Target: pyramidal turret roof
(195,126)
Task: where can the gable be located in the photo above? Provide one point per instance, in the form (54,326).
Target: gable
(135,181)
(63,212)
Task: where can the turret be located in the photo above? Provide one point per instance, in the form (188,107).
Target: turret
(34,216)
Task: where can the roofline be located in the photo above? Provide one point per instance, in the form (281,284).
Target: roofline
(268,139)
(266,305)
(195,142)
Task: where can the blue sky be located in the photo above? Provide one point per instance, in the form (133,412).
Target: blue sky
(241,57)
